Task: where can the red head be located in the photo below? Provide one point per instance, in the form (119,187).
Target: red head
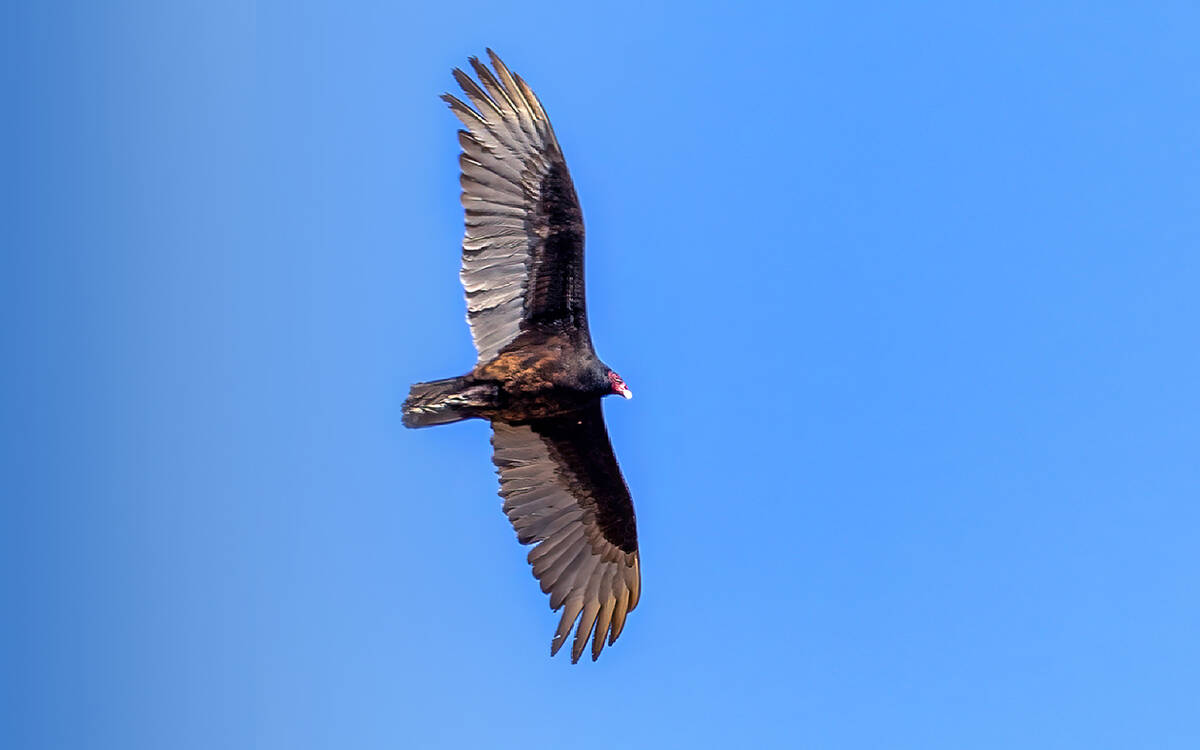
(618,385)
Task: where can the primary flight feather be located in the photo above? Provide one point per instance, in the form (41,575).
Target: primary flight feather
(537,377)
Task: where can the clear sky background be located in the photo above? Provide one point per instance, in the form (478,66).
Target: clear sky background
(907,296)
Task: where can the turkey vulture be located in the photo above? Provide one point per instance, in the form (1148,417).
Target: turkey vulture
(537,378)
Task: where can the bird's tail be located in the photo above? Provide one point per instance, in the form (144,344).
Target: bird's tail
(444,401)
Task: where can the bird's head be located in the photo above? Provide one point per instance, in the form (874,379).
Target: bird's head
(618,385)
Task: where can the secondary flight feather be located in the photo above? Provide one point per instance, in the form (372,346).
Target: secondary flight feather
(537,377)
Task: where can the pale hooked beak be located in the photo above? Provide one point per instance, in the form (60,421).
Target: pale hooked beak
(625,392)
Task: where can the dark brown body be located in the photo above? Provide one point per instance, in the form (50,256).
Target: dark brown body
(535,377)
(534,380)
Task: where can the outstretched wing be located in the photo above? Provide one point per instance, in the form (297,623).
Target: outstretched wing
(564,493)
(523,250)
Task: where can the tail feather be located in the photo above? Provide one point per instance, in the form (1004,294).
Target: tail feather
(443,401)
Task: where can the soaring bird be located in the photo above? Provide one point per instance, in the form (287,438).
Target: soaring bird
(537,378)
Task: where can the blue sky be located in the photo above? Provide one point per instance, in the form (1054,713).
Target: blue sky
(907,295)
